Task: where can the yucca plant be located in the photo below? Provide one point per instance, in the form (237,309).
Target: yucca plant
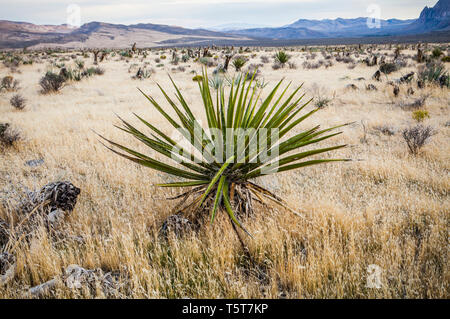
(238,63)
(282,58)
(218,169)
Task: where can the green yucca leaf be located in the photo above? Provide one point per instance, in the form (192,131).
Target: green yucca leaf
(218,197)
(205,165)
(215,179)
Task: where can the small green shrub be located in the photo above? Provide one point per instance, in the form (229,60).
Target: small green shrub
(238,63)
(388,68)
(436,53)
(51,82)
(282,58)
(197,78)
(420,115)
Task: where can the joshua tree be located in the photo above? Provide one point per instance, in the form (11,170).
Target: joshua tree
(419,55)
(96,52)
(227,61)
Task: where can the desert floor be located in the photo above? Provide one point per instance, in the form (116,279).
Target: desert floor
(386,208)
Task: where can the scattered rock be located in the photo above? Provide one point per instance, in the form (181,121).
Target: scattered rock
(78,278)
(410,91)
(176,225)
(7,268)
(43,289)
(4,233)
(34,163)
(371,87)
(386,130)
(62,195)
(351,87)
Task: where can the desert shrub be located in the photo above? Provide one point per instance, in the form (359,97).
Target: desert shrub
(163,57)
(207,62)
(238,63)
(217,180)
(185,58)
(420,115)
(264,59)
(434,73)
(51,82)
(282,58)
(197,78)
(388,68)
(446,59)
(386,130)
(8,136)
(95,71)
(416,104)
(311,65)
(276,66)
(292,65)
(79,64)
(320,97)
(416,137)
(253,72)
(9,84)
(175,59)
(18,102)
(436,53)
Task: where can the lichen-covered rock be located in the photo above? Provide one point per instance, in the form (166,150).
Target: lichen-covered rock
(7,268)
(4,233)
(176,225)
(57,195)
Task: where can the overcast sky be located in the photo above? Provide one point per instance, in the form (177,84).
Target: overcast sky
(205,13)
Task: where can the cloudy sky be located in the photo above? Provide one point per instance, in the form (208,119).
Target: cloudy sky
(205,13)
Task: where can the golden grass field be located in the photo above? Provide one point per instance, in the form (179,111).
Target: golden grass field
(387,208)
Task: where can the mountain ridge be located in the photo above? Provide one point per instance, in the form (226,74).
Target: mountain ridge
(102,34)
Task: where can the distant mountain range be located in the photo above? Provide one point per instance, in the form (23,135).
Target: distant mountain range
(431,19)
(101,35)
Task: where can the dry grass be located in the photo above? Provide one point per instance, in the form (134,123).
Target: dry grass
(391,209)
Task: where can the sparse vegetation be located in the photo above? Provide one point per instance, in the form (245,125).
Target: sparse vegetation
(8,136)
(388,68)
(420,115)
(238,63)
(18,102)
(219,181)
(416,137)
(387,208)
(51,82)
(282,58)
